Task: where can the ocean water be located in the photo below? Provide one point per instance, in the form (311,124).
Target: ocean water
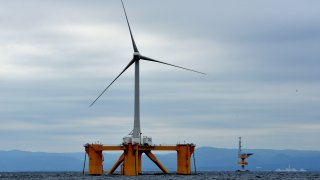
(200,176)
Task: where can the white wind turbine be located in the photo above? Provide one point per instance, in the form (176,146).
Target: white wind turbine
(136,133)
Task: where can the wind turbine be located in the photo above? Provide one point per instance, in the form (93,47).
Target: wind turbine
(136,133)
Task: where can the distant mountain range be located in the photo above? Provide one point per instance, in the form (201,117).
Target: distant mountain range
(207,159)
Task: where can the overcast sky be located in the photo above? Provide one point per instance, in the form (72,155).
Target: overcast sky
(261,59)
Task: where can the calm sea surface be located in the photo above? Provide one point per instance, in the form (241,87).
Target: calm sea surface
(204,175)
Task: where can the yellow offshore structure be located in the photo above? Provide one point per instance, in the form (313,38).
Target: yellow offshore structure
(130,161)
(242,157)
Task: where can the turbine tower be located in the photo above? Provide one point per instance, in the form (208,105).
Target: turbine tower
(136,133)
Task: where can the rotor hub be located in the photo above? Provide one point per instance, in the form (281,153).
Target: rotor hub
(136,55)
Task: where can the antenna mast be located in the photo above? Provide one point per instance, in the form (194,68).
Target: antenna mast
(239,151)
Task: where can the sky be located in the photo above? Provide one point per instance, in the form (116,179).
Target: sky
(261,59)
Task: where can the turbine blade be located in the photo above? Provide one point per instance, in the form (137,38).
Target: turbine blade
(130,63)
(153,60)
(133,43)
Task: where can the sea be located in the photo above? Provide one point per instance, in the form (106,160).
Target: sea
(199,176)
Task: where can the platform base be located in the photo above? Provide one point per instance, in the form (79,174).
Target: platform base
(130,160)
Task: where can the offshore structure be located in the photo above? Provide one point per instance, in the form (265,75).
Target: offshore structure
(130,160)
(133,145)
(242,157)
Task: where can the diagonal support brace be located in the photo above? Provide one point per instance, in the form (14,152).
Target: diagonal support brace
(116,165)
(156,161)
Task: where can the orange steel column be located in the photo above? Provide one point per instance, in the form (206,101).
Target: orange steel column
(139,162)
(95,159)
(136,158)
(129,163)
(184,152)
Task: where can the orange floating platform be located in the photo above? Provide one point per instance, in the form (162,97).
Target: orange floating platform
(130,160)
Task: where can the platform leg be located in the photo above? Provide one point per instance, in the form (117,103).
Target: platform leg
(184,152)
(129,163)
(95,159)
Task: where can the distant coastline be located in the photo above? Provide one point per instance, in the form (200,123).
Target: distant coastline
(208,159)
